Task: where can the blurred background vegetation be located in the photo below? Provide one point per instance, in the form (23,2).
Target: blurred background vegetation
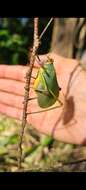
(16,37)
(66,36)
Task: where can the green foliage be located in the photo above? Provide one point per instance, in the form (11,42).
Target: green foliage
(16,37)
(12,44)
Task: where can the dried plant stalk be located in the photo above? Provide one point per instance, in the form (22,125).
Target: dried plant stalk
(27,83)
(27,89)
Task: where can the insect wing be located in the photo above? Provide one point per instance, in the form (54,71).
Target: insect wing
(45,99)
(51,80)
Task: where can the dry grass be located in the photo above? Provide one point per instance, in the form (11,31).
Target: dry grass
(40,153)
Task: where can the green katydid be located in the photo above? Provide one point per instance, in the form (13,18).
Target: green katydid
(46,86)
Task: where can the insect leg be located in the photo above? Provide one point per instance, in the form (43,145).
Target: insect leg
(32,98)
(60,102)
(33,77)
(43,92)
(40,111)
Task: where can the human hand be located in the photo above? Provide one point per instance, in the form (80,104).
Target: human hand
(67,123)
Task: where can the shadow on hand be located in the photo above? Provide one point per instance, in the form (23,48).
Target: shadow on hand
(69,109)
(68,112)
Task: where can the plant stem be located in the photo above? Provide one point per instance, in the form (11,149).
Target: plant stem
(27,83)
(27,89)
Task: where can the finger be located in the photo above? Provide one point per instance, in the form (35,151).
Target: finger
(11,111)
(13,72)
(11,100)
(17,114)
(12,86)
(14,100)
(17,72)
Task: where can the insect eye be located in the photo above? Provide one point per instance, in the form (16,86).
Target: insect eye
(59,88)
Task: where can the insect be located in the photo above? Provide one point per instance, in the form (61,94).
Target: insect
(46,85)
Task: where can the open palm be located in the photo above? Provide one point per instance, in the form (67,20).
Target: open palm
(66,123)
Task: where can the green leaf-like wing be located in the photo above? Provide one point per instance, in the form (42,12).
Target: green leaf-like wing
(46,86)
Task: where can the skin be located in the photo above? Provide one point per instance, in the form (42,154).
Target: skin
(67,123)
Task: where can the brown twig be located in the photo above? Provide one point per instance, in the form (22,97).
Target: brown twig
(74,162)
(27,88)
(27,84)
